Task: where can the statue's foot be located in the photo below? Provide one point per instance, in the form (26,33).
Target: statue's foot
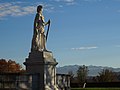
(45,49)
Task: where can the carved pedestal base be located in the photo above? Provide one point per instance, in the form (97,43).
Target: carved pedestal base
(44,64)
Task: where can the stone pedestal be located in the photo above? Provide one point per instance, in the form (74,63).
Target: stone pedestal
(43,63)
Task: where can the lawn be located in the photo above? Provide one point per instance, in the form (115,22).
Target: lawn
(95,89)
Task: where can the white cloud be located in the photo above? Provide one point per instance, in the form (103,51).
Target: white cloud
(64,0)
(20,9)
(61,6)
(117,46)
(85,48)
(93,0)
(67,2)
(14,9)
(49,7)
(118,11)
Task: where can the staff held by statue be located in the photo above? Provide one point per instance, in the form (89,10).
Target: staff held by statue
(39,37)
(48,30)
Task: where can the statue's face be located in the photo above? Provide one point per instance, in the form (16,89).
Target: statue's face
(40,10)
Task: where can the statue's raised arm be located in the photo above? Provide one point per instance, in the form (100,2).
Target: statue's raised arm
(39,38)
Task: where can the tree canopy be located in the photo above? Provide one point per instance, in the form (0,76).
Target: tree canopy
(10,66)
(82,73)
(106,76)
(71,75)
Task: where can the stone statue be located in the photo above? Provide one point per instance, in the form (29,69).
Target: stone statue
(39,38)
(41,63)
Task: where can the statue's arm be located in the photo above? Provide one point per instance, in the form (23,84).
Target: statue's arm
(45,23)
(36,22)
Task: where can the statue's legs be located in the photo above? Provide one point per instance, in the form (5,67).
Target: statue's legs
(38,42)
(42,42)
(34,43)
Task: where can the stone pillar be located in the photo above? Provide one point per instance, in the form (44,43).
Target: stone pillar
(44,64)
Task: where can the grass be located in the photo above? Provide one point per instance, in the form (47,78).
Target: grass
(95,89)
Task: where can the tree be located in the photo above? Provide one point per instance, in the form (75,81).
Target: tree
(106,76)
(10,66)
(71,75)
(82,73)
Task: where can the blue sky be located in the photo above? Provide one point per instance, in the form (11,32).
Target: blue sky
(82,31)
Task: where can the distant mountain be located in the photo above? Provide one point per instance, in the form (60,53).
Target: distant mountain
(93,70)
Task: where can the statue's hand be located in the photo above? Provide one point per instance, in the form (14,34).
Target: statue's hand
(49,21)
(42,30)
(38,27)
(42,17)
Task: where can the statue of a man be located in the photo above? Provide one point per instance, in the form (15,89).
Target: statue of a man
(39,39)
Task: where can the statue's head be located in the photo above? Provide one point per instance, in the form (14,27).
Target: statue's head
(39,8)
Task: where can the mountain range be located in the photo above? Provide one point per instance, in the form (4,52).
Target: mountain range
(92,70)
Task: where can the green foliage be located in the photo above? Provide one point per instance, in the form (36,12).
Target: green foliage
(10,66)
(71,75)
(106,76)
(82,73)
